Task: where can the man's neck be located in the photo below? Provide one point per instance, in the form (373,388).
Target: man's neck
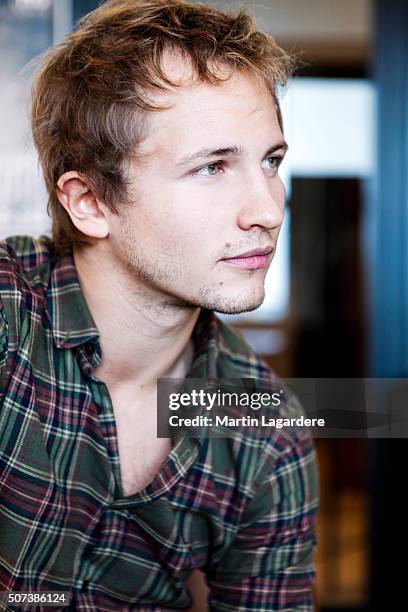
(143,335)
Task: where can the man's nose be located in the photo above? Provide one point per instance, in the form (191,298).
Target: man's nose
(263,202)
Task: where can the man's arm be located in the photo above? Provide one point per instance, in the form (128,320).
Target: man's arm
(270,565)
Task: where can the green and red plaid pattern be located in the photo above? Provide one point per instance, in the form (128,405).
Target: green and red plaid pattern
(243,510)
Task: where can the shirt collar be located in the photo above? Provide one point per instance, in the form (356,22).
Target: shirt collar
(206,338)
(70,319)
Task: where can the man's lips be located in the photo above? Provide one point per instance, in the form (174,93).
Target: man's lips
(263,251)
(251,260)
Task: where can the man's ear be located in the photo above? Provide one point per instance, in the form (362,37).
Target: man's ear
(87,213)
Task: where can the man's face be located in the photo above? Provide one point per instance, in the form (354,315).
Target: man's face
(188,217)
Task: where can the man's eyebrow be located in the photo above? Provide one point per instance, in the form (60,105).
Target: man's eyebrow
(233,151)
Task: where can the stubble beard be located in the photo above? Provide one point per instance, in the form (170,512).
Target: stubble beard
(153,280)
(229,304)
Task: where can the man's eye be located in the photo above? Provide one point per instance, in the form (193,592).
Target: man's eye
(273,162)
(210,167)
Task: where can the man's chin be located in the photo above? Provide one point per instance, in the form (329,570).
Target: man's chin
(231,302)
(236,309)
(237,306)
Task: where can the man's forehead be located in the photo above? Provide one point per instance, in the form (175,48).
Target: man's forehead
(189,88)
(195,112)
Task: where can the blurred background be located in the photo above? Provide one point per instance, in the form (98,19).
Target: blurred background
(337,293)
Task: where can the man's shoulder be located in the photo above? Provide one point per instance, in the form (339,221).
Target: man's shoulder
(239,360)
(23,271)
(24,276)
(24,260)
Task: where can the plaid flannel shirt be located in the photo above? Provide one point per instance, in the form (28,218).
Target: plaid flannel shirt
(241,510)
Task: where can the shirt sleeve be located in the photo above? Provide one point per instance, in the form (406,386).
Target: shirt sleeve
(270,564)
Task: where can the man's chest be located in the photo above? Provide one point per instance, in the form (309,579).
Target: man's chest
(141,453)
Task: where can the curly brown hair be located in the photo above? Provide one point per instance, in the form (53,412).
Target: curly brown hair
(90,98)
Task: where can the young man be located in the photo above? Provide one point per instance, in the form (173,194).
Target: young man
(159,134)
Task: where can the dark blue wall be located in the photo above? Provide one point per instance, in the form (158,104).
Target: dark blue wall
(389,282)
(81,7)
(389,246)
